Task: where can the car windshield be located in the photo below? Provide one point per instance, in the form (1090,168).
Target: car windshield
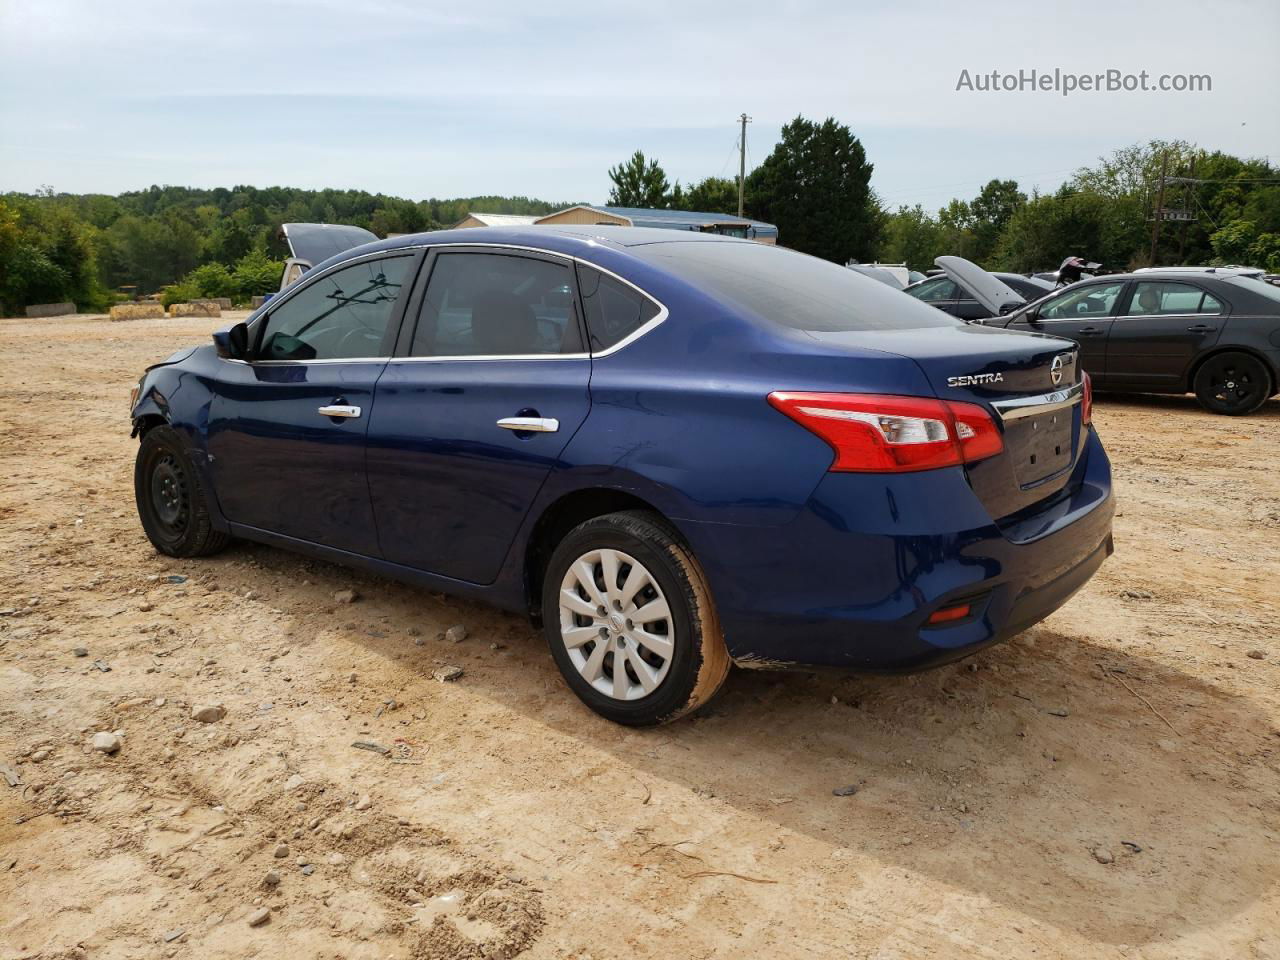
(1256,286)
(791,288)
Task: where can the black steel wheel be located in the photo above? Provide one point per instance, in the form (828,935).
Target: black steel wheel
(171,501)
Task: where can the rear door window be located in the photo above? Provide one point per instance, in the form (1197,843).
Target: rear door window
(497,305)
(1166,298)
(614,310)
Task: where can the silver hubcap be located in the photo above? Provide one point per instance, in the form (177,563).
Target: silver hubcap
(615,624)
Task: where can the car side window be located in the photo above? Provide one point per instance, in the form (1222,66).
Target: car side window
(341,316)
(1156,298)
(1210,304)
(614,310)
(492,305)
(939,288)
(1094,300)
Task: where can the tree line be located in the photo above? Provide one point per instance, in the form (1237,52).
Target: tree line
(84,248)
(815,185)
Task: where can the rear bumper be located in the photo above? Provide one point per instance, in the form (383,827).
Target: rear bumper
(851,582)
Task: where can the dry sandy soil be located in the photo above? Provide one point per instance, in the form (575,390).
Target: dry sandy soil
(1107,785)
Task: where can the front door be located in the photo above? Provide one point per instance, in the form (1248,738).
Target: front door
(475,409)
(287,428)
(1159,330)
(1082,313)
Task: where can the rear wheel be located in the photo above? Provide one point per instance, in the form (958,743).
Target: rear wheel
(630,621)
(171,501)
(1233,384)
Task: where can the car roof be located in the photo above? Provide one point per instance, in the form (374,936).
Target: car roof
(1183,275)
(548,234)
(569,240)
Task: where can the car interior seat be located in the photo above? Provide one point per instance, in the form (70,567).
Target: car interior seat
(502,323)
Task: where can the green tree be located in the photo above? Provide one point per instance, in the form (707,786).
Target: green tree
(711,195)
(913,237)
(639,183)
(256,274)
(815,186)
(991,211)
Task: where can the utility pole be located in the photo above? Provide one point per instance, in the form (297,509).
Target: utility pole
(1186,195)
(742,162)
(1159,211)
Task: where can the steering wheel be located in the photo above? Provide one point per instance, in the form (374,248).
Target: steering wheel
(357,337)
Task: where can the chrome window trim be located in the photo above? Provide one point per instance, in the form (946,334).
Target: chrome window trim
(1018,407)
(635,335)
(1084,318)
(1166,316)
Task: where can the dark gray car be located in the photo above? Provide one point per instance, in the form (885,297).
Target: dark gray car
(1168,332)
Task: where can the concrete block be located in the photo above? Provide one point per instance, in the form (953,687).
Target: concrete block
(50,309)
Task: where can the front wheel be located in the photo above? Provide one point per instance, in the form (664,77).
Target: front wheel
(1233,384)
(630,621)
(171,501)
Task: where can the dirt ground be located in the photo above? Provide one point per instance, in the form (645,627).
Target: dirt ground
(1107,785)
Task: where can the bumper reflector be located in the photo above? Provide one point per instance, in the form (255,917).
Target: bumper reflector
(947,614)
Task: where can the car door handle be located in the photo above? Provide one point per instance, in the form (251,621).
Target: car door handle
(339,410)
(1092,332)
(530,424)
(1201,328)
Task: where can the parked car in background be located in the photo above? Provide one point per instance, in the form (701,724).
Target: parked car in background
(952,296)
(675,451)
(1214,334)
(312,243)
(902,275)
(887,277)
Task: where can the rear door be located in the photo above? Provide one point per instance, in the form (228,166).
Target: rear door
(1162,325)
(488,384)
(1084,313)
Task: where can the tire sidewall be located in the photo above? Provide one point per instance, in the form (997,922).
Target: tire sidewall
(622,533)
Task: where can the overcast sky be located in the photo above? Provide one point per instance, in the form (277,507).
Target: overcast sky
(422,99)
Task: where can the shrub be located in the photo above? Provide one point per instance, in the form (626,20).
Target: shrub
(211,280)
(255,273)
(180,292)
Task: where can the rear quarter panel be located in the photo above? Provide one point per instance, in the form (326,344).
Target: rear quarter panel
(682,413)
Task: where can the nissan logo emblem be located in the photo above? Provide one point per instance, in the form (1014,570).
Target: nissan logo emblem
(1055,371)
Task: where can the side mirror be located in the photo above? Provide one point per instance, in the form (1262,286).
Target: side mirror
(233,342)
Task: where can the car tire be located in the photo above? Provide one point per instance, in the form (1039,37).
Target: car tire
(600,575)
(171,499)
(1233,384)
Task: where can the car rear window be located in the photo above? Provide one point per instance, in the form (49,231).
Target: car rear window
(790,288)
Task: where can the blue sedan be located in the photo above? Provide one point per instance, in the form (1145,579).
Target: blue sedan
(675,451)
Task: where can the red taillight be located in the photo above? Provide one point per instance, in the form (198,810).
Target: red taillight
(873,433)
(1086,405)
